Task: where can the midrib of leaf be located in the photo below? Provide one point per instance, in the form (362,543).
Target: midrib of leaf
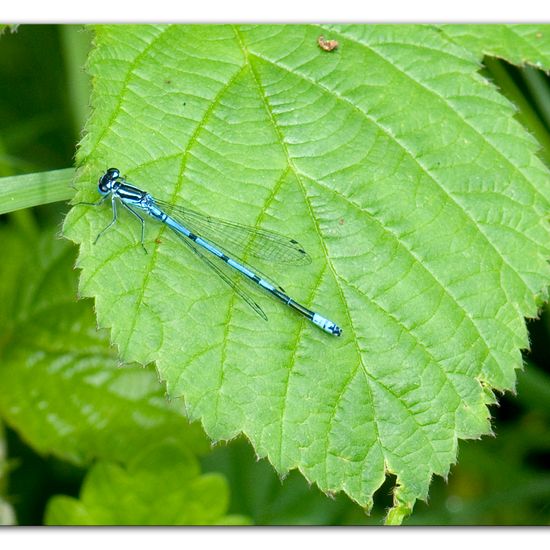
(360,364)
(316,287)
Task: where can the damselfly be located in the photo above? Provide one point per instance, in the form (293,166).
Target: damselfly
(204,236)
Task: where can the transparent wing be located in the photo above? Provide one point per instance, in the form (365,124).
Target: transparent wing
(239,240)
(217,266)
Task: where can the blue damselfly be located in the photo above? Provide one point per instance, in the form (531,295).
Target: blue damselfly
(204,235)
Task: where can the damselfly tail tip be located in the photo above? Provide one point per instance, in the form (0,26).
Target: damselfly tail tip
(326,325)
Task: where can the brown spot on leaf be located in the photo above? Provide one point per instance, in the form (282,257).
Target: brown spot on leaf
(327,45)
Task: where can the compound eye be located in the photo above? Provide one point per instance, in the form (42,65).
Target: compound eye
(114,173)
(107,180)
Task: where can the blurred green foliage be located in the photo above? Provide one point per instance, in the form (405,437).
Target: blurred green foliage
(37,121)
(501,480)
(161,485)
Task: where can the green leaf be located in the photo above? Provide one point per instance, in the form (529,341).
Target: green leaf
(519,44)
(62,386)
(401,170)
(162,485)
(30,190)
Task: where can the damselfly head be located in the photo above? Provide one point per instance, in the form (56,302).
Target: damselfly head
(106,180)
